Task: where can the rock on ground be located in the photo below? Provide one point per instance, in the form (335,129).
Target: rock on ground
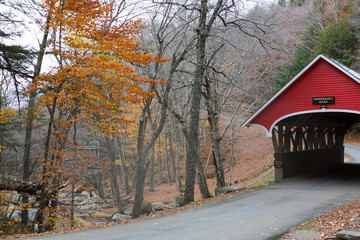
(227,189)
(120,217)
(348,235)
(157,206)
(128,209)
(145,208)
(178,201)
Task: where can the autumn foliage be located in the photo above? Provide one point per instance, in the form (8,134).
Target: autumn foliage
(95,80)
(96,54)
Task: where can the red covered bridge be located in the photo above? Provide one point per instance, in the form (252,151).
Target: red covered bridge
(308,118)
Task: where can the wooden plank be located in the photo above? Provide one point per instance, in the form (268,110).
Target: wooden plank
(305,140)
(293,140)
(299,135)
(275,140)
(287,137)
(281,137)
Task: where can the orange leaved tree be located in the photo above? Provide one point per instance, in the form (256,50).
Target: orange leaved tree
(94,80)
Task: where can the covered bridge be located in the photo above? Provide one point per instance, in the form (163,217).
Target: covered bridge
(308,118)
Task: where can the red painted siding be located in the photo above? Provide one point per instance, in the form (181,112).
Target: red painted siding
(320,80)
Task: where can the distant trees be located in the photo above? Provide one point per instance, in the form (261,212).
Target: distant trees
(329,32)
(339,42)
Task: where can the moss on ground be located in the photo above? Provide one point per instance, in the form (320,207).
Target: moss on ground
(263,179)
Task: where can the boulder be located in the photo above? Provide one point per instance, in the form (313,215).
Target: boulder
(94,206)
(227,189)
(85,208)
(157,206)
(120,217)
(128,209)
(98,200)
(145,208)
(109,201)
(348,235)
(85,194)
(86,202)
(178,201)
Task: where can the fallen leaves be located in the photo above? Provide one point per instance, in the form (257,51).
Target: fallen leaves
(346,216)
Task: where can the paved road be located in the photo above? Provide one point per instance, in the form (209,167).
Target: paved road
(258,215)
(353,151)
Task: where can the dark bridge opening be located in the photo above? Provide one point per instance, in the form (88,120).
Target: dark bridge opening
(310,143)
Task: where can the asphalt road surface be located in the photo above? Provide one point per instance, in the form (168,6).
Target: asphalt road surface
(263,214)
(353,151)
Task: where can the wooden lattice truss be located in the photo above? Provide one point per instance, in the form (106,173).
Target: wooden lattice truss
(312,132)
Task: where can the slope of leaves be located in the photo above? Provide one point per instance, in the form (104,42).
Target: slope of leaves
(346,216)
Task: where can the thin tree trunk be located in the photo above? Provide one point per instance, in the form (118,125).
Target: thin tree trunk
(123,165)
(171,151)
(45,178)
(177,157)
(211,102)
(56,160)
(232,150)
(201,180)
(217,156)
(30,122)
(72,207)
(185,153)
(110,144)
(208,159)
(115,188)
(151,173)
(141,166)
(99,184)
(159,163)
(167,156)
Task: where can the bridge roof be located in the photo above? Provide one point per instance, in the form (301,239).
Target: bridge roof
(323,86)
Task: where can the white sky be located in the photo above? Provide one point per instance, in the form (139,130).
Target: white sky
(32,35)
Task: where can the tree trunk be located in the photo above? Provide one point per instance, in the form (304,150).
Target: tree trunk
(98,182)
(213,109)
(159,163)
(44,172)
(172,157)
(193,132)
(143,151)
(167,157)
(123,165)
(232,150)
(139,190)
(110,145)
(151,172)
(177,156)
(30,122)
(217,156)
(115,188)
(72,207)
(201,180)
